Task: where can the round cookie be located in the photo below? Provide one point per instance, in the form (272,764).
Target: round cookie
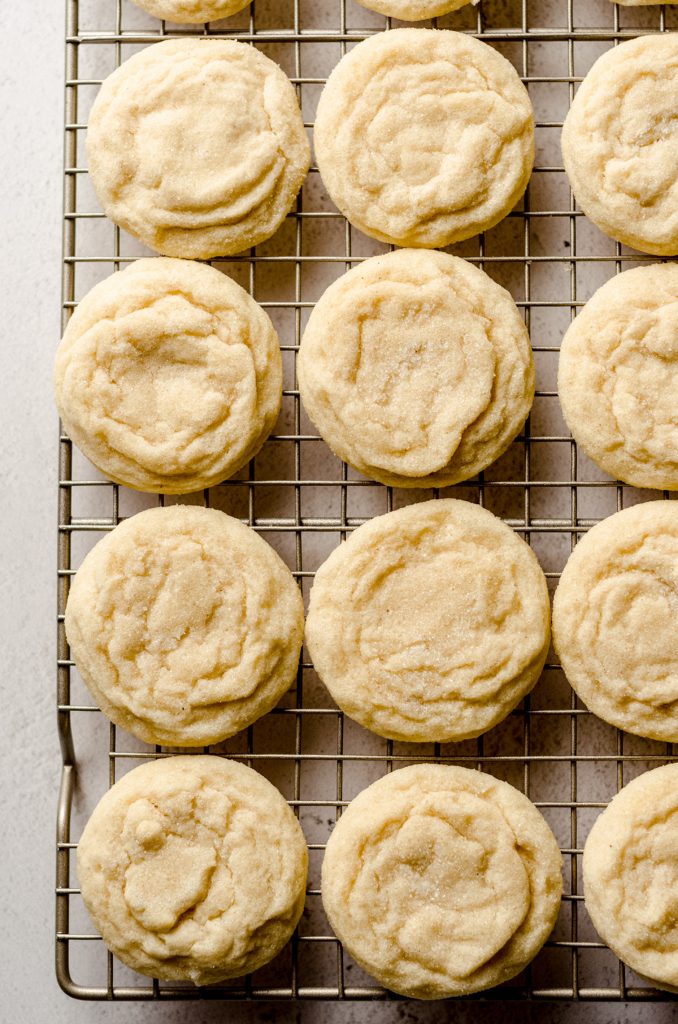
(620,144)
(424,137)
(197,147)
(414,10)
(441,881)
(185,625)
(416,368)
(193,869)
(630,879)
(192,12)
(169,376)
(618,377)
(614,620)
(429,623)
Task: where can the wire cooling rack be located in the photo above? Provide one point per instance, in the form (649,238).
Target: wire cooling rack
(304,501)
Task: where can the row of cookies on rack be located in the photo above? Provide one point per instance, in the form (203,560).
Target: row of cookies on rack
(415,367)
(422,138)
(438,880)
(194,12)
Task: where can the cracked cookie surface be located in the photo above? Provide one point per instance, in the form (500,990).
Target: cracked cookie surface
(169,376)
(197,147)
(414,10)
(185,625)
(424,137)
(429,623)
(416,369)
(620,144)
(618,377)
(441,881)
(192,12)
(631,878)
(614,620)
(193,868)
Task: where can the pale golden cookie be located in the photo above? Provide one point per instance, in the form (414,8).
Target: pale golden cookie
(197,147)
(193,868)
(416,369)
(441,881)
(618,377)
(424,137)
(185,625)
(429,623)
(192,12)
(615,614)
(620,143)
(415,10)
(169,376)
(630,876)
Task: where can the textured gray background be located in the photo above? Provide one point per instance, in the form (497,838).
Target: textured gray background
(31,76)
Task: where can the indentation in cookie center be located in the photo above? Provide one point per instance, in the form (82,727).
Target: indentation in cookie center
(168,875)
(462,880)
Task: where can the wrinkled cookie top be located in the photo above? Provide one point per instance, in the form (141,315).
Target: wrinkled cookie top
(424,137)
(197,147)
(618,377)
(614,619)
(185,625)
(192,12)
(441,881)
(631,875)
(414,10)
(193,868)
(620,143)
(416,368)
(169,376)
(429,623)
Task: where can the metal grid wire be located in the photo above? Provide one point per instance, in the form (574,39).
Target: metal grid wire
(552,260)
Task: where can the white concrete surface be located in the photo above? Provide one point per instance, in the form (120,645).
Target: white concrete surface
(31,77)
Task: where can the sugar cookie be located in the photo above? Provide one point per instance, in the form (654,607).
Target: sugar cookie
(185,625)
(193,868)
(197,147)
(620,143)
(630,878)
(192,12)
(415,10)
(169,376)
(614,620)
(429,623)
(441,881)
(618,377)
(424,137)
(416,368)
